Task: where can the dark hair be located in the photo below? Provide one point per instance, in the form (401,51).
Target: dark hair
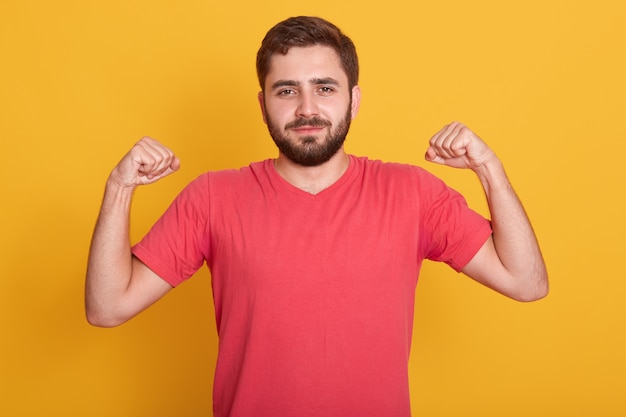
(303,31)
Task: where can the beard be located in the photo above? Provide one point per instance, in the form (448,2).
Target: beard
(307,150)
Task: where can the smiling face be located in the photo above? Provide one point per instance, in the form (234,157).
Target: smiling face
(307,104)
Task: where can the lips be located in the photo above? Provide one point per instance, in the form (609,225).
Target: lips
(308,129)
(308,124)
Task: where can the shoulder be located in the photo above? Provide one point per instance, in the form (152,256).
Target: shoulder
(228,176)
(394,171)
(235,181)
(405,181)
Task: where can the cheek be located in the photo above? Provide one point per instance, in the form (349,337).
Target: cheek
(277,112)
(341,111)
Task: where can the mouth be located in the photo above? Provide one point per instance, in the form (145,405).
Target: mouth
(308,130)
(308,126)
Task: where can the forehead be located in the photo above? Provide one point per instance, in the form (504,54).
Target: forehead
(301,64)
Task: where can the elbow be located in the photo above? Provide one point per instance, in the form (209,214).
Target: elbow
(531,296)
(100,319)
(538,290)
(96,322)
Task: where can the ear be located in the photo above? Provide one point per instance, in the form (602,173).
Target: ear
(261,99)
(356,101)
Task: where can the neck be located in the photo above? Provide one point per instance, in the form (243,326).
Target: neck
(316,179)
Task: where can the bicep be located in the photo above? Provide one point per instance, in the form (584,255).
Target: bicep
(487,268)
(144,289)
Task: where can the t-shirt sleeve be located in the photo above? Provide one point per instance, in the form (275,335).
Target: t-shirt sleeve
(177,245)
(453,232)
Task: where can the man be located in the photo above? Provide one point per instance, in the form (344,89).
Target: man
(314,255)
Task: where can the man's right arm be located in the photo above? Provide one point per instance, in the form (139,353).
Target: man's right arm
(119,286)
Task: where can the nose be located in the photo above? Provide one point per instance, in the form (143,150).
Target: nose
(307,105)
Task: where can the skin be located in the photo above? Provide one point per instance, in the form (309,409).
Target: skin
(306,83)
(118,285)
(510,261)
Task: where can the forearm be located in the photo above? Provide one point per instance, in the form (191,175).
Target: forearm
(110,261)
(514,239)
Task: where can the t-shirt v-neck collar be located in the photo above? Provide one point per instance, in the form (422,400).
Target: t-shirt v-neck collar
(282,183)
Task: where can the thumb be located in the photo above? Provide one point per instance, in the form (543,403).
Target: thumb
(162,172)
(175,166)
(432,156)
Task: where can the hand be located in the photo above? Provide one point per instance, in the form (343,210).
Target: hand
(148,161)
(457,146)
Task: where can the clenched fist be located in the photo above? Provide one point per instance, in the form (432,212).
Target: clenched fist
(457,146)
(148,161)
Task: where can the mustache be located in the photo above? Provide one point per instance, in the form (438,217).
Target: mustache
(303,121)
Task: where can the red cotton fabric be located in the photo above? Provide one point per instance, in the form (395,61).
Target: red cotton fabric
(313,294)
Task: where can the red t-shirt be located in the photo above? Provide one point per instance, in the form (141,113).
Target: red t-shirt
(313,294)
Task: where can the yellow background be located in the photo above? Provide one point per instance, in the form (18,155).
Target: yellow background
(542,81)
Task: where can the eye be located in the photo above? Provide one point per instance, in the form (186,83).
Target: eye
(326,90)
(286,92)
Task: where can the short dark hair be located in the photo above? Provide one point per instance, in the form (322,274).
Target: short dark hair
(303,31)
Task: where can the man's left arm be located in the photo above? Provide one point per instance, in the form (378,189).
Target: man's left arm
(510,261)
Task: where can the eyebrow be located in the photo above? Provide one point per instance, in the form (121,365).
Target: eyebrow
(312,81)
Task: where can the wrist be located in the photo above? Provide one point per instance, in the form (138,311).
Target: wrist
(117,180)
(117,196)
(491,173)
